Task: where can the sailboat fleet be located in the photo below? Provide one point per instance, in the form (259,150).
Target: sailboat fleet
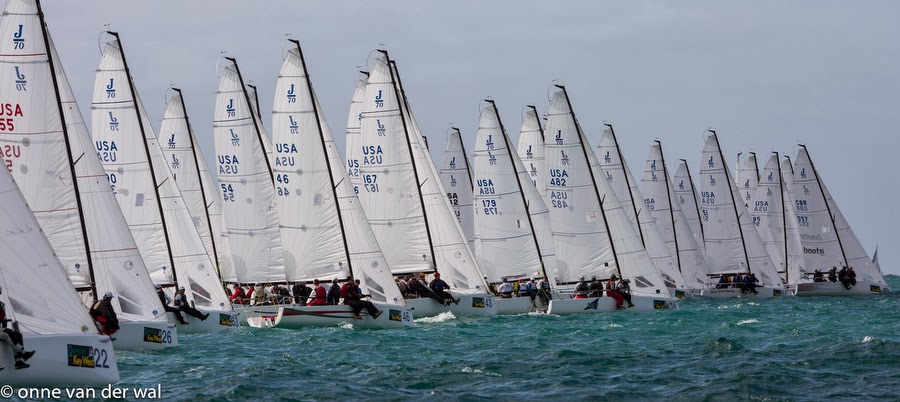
(539,227)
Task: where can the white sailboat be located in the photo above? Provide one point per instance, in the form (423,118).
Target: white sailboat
(197,187)
(531,149)
(828,241)
(733,246)
(592,233)
(405,202)
(772,209)
(689,202)
(323,229)
(52,162)
(626,189)
(747,179)
(513,239)
(662,204)
(456,177)
(150,199)
(40,301)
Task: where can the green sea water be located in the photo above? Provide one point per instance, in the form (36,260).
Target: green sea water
(834,348)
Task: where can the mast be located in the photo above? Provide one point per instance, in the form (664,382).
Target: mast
(662,159)
(694,194)
(255,100)
(521,191)
(537,117)
(637,220)
(581,139)
(325,152)
(465,155)
(401,98)
(828,207)
(737,217)
(254,117)
(212,237)
(162,215)
(65,128)
(787,271)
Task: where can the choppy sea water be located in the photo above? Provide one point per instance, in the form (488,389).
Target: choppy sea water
(839,348)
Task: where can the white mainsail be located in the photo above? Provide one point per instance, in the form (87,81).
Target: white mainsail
(189,170)
(531,149)
(247,183)
(591,231)
(456,177)
(772,211)
(352,139)
(145,189)
(747,178)
(826,235)
(732,243)
(49,146)
(672,224)
(512,224)
(626,190)
(689,202)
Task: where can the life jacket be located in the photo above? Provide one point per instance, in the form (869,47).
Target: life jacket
(319,297)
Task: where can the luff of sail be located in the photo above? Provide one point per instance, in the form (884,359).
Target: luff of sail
(246,183)
(456,177)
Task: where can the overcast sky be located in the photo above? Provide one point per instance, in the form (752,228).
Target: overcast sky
(764,74)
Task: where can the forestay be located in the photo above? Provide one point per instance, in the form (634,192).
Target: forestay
(246,184)
(456,177)
(531,149)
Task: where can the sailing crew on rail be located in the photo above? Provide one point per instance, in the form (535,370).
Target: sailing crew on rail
(352,297)
(612,292)
(319,296)
(301,293)
(104,315)
(166,300)
(505,289)
(442,289)
(581,289)
(181,302)
(14,338)
(238,297)
(334,293)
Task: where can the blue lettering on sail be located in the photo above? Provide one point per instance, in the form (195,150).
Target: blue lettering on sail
(534,171)
(20,80)
(379,102)
(228,164)
(558,177)
(19,39)
(285,148)
(805,190)
(113,123)
(492,160)
(291,96)
(712,181)
(111,89)
(380,128)
(295,128)
(452,162)
(353,167)
(452,181)
(559,199)
(559,139)
(490,142)
(172,141)
(563,158)
(609,178)
(284,161)
(653,165)
(770,177)
(681,185)
(485,187)
(802,173)
(606,158)
(106,150)
(711,163)
(528,153)
(229,108)
(235,140)
(653,176)
(175,163)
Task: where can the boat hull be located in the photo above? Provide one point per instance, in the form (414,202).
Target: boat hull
(518,305)
(83,360)
(145,335)
(296,316)
(474,304)
(218,321)
(605,304)
(732,293)
(837,289)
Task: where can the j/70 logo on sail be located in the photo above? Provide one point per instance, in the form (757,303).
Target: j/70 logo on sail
(229,108)
(111,89)
(19,39)
(20,80)
(291,96)
(295,128)
(379,102)
(235,140)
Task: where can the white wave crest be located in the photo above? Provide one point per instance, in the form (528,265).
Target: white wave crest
(442,317)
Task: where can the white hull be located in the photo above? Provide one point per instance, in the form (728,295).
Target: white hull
(604,304)
(297,316)
(83,360)
(837,289)
(478,304)
(731,293)
(518,305)
(218,321)
(145,335)
(682,293)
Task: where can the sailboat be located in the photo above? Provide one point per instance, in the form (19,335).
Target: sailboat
(78,213)
(149,197)
(531,148)
(42,304)
(661,203)
(747,179)
(772,209)
(456,177)
(405,202)
(626,190)
(827,239)
(190,172)
(591,232)
(689,202)
(733,246)
(513,239)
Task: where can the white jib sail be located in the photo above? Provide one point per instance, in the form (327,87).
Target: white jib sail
(42,164)
(747,179)
(673,226)
(622,182)
(588,220)
(732,242)
(531,149)
(688,201)
(456,177)
(246,184)
(769,208)
(796,258)
(512,227)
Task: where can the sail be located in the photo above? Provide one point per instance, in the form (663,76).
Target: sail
(36,292)
(531,149)
(795,257)
(246,183)
(732,243)
(747,179)
(44,170)
(825,233)
(456,177)
(592,234)
(512,227)
(670,220)
(352,139)
(687,199)
(626,189)
(772,207)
